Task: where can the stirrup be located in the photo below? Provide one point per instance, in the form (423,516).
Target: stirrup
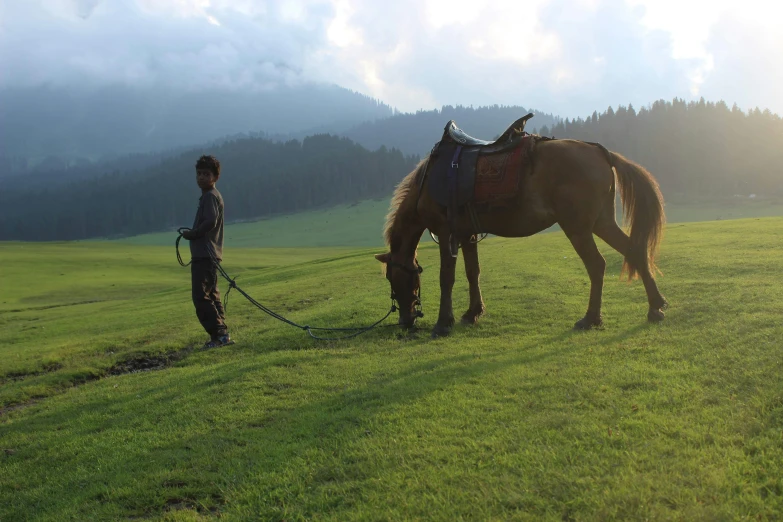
(453,245)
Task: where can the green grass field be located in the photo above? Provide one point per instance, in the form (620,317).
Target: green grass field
(517,418)
(359,225)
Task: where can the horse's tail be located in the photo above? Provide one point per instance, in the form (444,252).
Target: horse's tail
(642,212)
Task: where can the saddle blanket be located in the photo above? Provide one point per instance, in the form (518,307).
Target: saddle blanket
(498,176)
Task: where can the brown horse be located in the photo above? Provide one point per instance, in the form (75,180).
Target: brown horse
(573,184)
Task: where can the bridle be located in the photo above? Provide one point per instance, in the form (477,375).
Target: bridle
(413,272)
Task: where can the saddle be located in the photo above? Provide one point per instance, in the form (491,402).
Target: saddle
(505,140)
(465,171)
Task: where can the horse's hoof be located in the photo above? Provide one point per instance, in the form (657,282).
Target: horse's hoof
(440,331)
(655,316)
(586,323)
(470,317)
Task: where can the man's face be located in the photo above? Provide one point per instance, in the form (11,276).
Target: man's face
(205,179)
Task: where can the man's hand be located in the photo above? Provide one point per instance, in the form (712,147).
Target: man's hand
(187,234)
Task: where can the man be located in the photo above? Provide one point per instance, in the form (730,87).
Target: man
(206,248)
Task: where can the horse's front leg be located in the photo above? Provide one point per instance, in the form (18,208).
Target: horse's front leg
(472,271)
(447,269)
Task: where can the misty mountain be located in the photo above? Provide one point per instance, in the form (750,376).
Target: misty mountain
(69,123)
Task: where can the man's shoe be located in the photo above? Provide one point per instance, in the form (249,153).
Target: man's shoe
(222,340)
(225,340)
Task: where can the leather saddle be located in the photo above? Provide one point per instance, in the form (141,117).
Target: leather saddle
(452,166)
(505,140)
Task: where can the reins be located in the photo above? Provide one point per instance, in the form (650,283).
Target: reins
(176,245)
(309,329)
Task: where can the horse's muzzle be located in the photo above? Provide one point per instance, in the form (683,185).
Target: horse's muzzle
(407,322)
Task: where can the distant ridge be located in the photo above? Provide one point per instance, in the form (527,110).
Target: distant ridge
(67,124)
(416,133)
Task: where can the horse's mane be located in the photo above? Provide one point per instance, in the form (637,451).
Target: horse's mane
(400,194)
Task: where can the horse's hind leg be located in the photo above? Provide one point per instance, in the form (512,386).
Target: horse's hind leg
(608,230)
(585,246)
(472,271)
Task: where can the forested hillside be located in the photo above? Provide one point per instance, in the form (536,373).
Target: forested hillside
(695,150)
(260,178)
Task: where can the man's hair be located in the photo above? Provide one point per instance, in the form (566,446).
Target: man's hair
(209,163)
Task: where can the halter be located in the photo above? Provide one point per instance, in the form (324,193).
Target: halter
(413,272)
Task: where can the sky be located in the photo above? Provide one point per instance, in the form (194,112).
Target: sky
(566,57)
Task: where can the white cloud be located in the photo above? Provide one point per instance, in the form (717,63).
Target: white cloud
(700,28)
(563,56)
(448,13)
(339,31)
(177,43)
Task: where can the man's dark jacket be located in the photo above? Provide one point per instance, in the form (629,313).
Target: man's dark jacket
(207,231)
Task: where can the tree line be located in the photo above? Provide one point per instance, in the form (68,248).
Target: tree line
(259,178)
(696,150)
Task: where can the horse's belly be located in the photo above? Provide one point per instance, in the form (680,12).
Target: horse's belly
(528,217)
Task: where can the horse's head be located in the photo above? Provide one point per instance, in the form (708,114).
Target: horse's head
(405,281)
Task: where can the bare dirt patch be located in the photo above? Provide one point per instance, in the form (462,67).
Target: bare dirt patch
(147,362)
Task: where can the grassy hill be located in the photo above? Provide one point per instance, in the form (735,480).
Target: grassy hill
(357,225)
(518,418)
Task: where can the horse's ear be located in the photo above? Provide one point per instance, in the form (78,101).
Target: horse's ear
(383,258)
